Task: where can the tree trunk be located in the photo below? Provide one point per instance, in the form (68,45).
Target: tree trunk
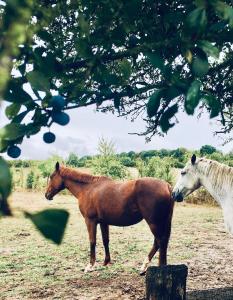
(166,282)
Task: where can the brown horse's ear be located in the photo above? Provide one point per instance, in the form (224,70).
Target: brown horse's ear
(193,159)
(57,166)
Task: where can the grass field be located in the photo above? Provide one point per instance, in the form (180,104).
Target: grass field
(33,268)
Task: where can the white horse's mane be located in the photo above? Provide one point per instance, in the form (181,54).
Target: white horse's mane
(220,175)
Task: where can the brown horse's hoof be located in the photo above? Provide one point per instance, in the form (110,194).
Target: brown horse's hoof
(106,263)
(90,268)
(144,266)
(142,273)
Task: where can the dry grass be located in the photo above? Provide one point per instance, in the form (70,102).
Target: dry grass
(33,268)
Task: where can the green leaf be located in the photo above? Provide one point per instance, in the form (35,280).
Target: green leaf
(224,11)
(32,129)
(51,223)
(125,68)
(12,110)
(214,105)
(12,131)
(3,145)
(84,25)
(38,81)
(47,65)
(172,92)
(196,21)
(5,179)
(83,47)
(16,94)
(19,118)
(154,103)
(167,115)
(192,97)
(156,60)
(209,48)
(200,66)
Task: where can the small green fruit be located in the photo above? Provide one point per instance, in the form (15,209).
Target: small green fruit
(49,137)
(14,151)
(60,118)
(58,102)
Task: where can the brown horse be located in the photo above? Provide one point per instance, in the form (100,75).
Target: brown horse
(107,202)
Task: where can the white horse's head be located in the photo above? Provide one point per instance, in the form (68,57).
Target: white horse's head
(188,181)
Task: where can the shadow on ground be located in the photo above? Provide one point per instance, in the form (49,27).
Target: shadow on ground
(216,294)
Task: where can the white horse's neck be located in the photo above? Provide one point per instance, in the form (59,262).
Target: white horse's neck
(217,179)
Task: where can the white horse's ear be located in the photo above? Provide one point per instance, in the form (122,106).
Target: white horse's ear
(193,159)
(57,166)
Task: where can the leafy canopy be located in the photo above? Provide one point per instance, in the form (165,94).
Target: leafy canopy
(137,57)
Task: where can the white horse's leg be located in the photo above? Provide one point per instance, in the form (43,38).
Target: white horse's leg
(228,216)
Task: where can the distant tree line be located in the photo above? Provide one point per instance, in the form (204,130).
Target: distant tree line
(179,157)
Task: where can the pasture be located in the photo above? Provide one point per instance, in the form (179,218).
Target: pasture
(33,268)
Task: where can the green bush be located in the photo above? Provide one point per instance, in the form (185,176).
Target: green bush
(107,163)
(30,180)
(178,164)
(18,163)
(109,166)
(127,161)
(207,149)
(156,167)
(47,166)
(218,156)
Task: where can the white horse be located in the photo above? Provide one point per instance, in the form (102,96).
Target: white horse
(215,177)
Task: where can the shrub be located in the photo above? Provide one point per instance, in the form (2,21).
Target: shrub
(207,149)
(156,167)
(72,160)
(109,166)
(47,166)
(218,156)
(127,161)
(178,164)
(30,180)
(107,163)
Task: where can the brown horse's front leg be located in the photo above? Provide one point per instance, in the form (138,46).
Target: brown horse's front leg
(91,227)
(105,237)
(148,259)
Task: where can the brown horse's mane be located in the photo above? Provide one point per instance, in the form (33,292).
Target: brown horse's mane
(75,175)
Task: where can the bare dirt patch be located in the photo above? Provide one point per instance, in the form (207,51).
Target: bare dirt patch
(33,268)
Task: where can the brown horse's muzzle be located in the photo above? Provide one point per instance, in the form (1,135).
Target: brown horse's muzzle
(48,196)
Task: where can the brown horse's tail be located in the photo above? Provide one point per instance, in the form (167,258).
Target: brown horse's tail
(170,189)
(171,198)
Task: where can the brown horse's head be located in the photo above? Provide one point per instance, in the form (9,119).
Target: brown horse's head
(55,184)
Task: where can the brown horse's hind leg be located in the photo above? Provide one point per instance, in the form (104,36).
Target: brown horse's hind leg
(163,251)
(161,234)
(91,227)
(105,237)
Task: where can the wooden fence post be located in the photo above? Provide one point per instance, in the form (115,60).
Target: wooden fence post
(166,282)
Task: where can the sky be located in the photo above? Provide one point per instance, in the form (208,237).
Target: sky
(86,126)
